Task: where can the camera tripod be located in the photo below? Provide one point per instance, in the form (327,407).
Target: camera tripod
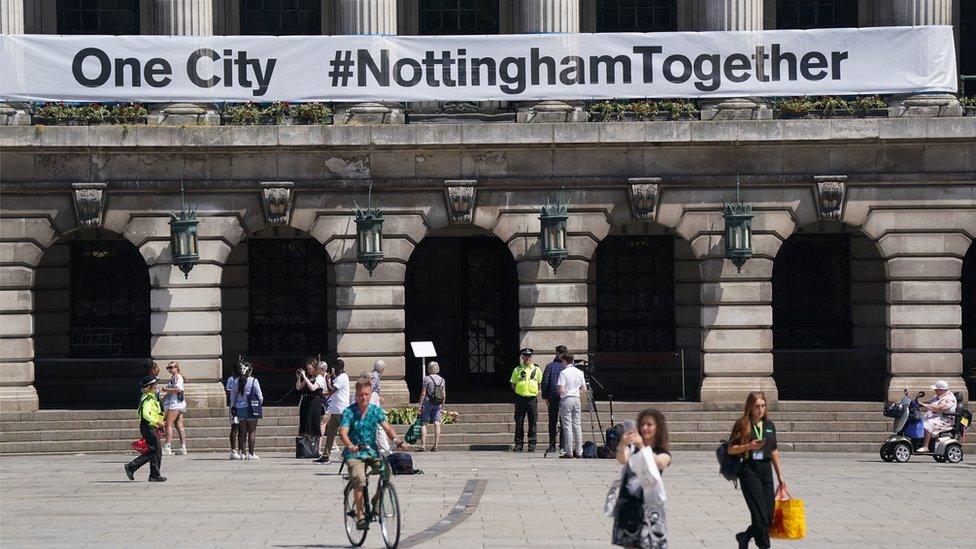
(593,410)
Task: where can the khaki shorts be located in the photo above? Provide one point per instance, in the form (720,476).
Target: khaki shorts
(357,472)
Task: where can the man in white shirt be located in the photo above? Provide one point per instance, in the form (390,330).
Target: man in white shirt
(571,386)
(338,402)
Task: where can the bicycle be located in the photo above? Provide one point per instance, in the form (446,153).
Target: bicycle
(385,508)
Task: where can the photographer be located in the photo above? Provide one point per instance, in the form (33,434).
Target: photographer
(571,385)
(312,390)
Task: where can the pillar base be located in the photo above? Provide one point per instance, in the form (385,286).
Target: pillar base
(395,393)
(897,385)
(735,108)
(723,391)
(924,105)
(18,399)
(551,111)
(183,114)
(14,114)
(365,114)
(205,395)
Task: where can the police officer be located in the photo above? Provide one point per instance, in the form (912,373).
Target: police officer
(525,382)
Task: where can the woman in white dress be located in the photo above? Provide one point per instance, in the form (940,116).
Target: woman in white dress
(174,405)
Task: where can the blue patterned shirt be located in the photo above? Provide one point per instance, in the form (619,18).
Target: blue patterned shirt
(362,429)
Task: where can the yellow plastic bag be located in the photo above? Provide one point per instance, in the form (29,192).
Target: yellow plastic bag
(789,520)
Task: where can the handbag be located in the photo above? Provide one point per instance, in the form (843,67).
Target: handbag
(141,446)
(306,447)
(789,518)
(413,433)
(254,408)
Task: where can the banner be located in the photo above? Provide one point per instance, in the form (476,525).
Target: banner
(475,68)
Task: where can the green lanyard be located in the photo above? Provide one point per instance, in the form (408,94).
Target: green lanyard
(758,430)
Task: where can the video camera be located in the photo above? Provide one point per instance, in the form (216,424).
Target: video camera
(587,365)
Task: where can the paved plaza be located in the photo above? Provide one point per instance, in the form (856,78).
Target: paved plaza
(853,500)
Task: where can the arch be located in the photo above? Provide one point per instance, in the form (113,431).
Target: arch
(462,294)
(99,17)
(646,313)
(277,293)
(969,318)
(636,16)
(829,315)
(92,295)
(815,14)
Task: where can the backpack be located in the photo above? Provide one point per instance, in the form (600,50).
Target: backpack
(439,394)
(614,435)
(729,466)
(401,463)
(589,449)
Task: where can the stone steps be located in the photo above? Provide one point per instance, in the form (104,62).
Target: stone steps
(807,426)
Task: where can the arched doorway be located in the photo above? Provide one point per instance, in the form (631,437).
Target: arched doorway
(275,307)
(648,316)
(91,298)
(829,323)
(462,294)
(969,318)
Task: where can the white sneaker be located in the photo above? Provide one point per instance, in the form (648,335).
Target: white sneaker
(167,450)
(234,455)
(181,451)
(252,456)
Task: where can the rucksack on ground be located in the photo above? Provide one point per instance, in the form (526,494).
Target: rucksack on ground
(614,434)
(401,463)
(589,449)
(729,466)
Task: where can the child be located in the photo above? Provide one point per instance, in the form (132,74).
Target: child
(150,419)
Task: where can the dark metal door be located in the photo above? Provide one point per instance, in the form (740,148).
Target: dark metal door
(462,295)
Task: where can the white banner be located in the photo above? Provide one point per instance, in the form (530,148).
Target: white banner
(473,68)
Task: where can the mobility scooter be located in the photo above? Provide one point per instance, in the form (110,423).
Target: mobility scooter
(909,432)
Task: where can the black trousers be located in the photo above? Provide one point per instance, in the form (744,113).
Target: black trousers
(525,408)
(154,457)
(756,480)
(304,406)
(553,421)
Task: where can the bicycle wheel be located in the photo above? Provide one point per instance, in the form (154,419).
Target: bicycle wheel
(389,513)
(356,537)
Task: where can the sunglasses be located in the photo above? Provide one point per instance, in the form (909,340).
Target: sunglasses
(170,367)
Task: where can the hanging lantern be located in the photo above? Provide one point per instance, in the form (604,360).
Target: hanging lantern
(553,234)
(369,238)
(738,232)
(183,237)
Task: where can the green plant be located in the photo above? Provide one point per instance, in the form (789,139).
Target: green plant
(864,103)
(244,114)
(644,109)
(678,108)
(125,131)
(406,416)
(830,104)
(316,113)
(612,111)
(793,106)
(968,102)
(127,113)
(277,110)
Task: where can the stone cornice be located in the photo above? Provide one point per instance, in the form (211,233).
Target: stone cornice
(423,136)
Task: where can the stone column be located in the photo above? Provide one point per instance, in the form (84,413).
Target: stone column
(183,18)
(368,17)
(729,15)
(553,306)
(12,22)
(370,321)
(916,13)
(22,242)
(924,312)
(185,321)
(551,16)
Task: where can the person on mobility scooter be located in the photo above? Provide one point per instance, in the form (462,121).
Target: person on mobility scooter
(944,445)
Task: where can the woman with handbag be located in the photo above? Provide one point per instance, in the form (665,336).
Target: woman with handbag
(174,405)
(636,499)
(754,438)
(248,403)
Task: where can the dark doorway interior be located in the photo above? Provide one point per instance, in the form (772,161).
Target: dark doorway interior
(92,323)
(462,295)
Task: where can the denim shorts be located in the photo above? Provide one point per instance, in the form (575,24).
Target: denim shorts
(430,413)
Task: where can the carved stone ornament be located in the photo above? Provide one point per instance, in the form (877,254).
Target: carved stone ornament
(460,199)
(89,203)
(643,197)
(276,197)
(830,195)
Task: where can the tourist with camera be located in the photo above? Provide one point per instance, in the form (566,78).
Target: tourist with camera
(571,385)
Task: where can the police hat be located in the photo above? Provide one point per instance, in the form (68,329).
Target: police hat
(526,351)
(148,381)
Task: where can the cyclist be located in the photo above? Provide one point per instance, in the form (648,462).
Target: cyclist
(357,430)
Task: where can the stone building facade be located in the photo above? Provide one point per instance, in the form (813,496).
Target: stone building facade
(861,281)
